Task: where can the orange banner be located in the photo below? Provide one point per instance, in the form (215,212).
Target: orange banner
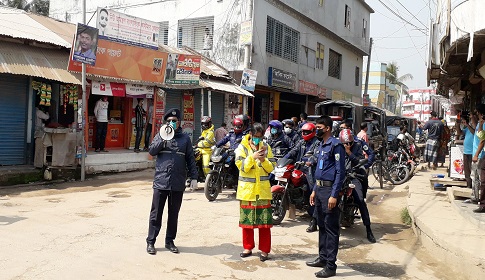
(126,62)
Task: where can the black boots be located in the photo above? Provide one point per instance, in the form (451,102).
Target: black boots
(313,226)
(370,236)
(151,249)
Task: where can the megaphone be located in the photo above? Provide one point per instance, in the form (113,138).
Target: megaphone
(167,132)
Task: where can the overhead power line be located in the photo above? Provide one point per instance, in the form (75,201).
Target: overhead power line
(412,13)
(403,19)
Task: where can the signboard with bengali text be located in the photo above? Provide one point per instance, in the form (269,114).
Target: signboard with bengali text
(182,69)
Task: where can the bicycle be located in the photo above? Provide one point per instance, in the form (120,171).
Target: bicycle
(385,169)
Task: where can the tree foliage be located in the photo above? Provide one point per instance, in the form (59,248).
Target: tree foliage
(393,74)
(40,7)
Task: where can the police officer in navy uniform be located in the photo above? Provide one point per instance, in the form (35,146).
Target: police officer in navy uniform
(174,157)
(354,153)
(329,161)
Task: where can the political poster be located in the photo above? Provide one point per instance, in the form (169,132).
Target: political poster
(85,44)
(248,80)
(182,69)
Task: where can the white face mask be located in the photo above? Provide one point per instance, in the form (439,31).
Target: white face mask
(288,130)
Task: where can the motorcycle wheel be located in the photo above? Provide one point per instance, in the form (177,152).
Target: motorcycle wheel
(398,174)
(376,172)
(211,187)
(278,207)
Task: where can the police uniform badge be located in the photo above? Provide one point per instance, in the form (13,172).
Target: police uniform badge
(337,157)
(365,147)
(174,113)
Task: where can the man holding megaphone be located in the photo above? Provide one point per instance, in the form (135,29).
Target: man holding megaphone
(175,155)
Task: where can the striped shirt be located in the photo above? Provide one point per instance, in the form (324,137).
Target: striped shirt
(140,112)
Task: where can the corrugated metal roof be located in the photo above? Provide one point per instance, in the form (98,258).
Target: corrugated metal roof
(225,87)
(37,62)
(17,23)
(64,30)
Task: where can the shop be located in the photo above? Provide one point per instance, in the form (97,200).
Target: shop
(314,93)
(122,99)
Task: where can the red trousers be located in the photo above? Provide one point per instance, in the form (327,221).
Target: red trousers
(264,239)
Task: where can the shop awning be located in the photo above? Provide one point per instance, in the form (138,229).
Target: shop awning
(36,62)
(224,87)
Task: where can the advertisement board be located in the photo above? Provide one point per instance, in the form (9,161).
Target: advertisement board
(246,34)
(126,29)
(127,62)
(248,80)
(188,124)
(282,79)
(85,44)
(182,69)
(457,170)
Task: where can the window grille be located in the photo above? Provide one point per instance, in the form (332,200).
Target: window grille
(307,57)
(320,54)
(357,76)
(347,16)
(282,40)
(163,36)
(196,33)
(334,64)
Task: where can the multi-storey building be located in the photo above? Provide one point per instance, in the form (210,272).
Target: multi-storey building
(382,93)
(305,51)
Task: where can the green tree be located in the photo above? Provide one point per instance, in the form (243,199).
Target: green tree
(392,70)
(40,7)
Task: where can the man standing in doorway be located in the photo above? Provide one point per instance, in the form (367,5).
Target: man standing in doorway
(140,113)
(148,129)
(101,113)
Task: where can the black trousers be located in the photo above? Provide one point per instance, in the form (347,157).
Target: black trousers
(148,134)
(139,134)
(158,203)
(101,129)
(328,227)
(467,165)
(358,194)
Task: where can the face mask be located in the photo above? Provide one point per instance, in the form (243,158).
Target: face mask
(319,132)
(288,130)
(173,124)
(274,131)
(256,141)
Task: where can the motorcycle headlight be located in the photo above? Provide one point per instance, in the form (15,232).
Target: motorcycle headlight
(216,158)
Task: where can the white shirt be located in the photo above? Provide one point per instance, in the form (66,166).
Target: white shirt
(39,125)
(101,111)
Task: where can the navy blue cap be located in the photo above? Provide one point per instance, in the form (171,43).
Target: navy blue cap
(172,113)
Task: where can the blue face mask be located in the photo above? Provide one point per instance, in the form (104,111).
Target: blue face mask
(256,141)
(173,124)
(274,130)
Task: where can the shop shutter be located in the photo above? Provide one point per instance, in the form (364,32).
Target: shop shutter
(217,109)
(173,99)
(13,119)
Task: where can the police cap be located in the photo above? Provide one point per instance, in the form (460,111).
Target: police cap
(172,113)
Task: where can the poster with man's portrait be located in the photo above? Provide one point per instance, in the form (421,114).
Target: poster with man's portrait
(85,44)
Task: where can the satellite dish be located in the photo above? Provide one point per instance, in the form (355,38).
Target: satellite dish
(166,132)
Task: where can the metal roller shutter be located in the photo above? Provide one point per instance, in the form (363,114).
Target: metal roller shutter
(173,99)
(217,109)
(13,116)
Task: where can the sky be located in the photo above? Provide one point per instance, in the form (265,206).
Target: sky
(395,40)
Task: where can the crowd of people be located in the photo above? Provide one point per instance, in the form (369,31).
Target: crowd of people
(327,159)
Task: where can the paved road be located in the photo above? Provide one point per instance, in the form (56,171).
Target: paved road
(97,230)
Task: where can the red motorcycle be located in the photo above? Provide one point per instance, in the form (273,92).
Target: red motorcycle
(289,188)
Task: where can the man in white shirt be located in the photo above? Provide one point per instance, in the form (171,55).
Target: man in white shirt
(101,113)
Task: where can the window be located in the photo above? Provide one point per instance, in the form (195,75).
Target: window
(282,40)
(321,3)
(357,76)
(334,64)
(196,33)
(347,16)
(320,55)
(163,35)
(364,28)
(307,57)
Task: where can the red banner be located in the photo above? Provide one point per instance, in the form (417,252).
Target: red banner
(188,114)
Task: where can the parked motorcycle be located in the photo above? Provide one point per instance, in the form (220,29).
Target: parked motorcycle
(290,188)
(347,206)
(224,173)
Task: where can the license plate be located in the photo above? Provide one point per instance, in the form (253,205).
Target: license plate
(281,179)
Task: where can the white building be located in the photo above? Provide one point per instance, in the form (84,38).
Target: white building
(304,51)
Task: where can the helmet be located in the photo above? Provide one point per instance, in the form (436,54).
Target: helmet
(308,131)
(277,125)
(400,137)
(238,124)
(288,122)
(346,136)
(206,122)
